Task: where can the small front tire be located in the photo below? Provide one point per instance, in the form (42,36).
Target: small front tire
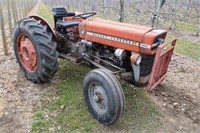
(103,95)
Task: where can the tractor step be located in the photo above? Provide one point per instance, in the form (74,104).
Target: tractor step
(71,58)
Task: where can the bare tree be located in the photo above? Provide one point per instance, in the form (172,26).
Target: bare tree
(121,11)
(173,8)
(138,11)
(197,9)
(92,5)
(198,30)
(157,13)
(187,8)
(104,6)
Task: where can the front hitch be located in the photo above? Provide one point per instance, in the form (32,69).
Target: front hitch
(161,64)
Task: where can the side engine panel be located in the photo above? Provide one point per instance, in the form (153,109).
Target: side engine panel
(115,43)
(133,39)
(129,37)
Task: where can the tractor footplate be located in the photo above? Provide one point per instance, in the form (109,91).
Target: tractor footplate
(71,58)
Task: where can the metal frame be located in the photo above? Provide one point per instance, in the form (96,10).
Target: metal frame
(161,63)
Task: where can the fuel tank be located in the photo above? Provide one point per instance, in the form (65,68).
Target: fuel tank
(130,37)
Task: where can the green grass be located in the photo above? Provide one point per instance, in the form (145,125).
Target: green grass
(182,26)
(186,27)
(75,116)
(186,47)
(140,113)
(65,110)
(45,12)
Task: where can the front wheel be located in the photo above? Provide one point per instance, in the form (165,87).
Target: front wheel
(103,95)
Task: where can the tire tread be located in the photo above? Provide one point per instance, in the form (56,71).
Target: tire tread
(45,47)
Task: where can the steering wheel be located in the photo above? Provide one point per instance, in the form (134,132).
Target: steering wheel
(85,15)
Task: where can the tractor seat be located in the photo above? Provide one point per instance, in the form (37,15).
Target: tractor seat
(66,24)
(60,12)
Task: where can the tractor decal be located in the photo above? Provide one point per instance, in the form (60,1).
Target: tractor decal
(113,38)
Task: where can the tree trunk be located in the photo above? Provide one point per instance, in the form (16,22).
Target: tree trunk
(197,34)
(121,12)
(198,30)
(92,6)
(187,9)
(156,15)
(173,10)
(104,6)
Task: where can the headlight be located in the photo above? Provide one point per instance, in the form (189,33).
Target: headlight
(157,42)
(139,59)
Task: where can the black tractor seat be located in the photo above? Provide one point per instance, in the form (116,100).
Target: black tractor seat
(66,24)
(60,12)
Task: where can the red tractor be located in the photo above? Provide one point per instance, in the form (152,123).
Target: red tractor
(133,53)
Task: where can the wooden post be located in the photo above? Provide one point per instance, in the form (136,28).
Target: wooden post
(20,9)
(3,31)
(29,6)
(26,7)
(14,11)
(9,17)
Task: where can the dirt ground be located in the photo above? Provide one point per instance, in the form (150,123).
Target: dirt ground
(178,97)
(17,95)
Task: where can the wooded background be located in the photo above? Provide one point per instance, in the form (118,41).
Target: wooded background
(168,14)
(10,12)
(172,12)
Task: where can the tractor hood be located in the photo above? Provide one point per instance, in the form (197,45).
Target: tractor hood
(121,35)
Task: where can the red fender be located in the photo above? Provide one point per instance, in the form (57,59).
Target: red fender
(44,22)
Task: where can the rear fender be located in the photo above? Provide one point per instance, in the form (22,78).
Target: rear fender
(44,22)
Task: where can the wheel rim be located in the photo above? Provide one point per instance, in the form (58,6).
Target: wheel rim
(98,98)
(27,53)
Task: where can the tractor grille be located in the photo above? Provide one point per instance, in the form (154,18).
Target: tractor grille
(146,65)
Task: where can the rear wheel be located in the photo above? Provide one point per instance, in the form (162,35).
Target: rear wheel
(35,50)
(103,95)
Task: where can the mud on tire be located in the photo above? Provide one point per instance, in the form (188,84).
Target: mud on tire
(43,47)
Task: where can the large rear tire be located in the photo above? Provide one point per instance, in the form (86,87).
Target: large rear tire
(35,50)
(103,95)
